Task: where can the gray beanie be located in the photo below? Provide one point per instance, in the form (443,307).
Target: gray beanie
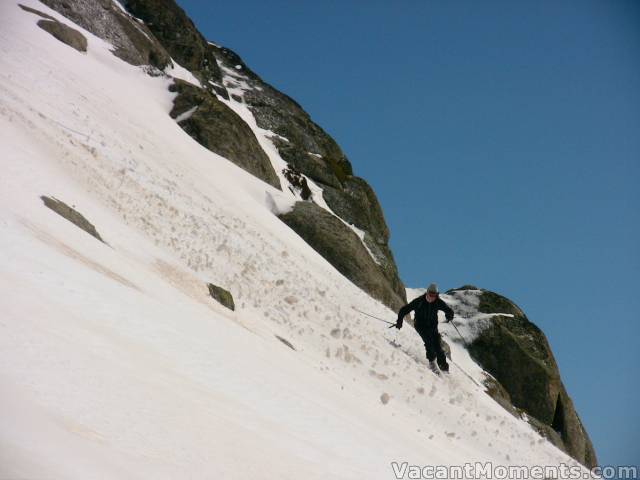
(433,288)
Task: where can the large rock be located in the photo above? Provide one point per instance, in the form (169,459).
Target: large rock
(516,352)
(356,203)
(65,34)
(222,296)
(341,247)
(72,215)
(219,129)
(132,40)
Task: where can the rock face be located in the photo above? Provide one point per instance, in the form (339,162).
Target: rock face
(309,150)
(300,141)
(179,36)
(218,128)
(336,242)
(516,352)
(153,32)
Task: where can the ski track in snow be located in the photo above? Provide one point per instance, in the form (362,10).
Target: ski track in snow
(115,363)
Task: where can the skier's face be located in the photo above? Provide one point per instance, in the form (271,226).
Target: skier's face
(431,297)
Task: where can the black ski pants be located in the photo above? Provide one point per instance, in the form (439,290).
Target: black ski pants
(431,339)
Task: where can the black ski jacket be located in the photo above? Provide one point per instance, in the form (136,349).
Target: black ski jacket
(426,313)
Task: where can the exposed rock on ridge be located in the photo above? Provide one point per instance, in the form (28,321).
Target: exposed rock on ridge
(308,148)
(177,33)
(299,140)
(342,248)
(516,352)
(219,129)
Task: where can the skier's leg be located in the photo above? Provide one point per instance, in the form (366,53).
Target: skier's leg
(428,345)
(442,358)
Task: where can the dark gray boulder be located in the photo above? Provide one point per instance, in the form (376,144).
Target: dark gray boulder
(221,296)
(72,215)
(218,128)
(65,34)
(133,42)
(516,352)
(341,247)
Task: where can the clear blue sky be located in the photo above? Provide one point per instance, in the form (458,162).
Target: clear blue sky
(503,141)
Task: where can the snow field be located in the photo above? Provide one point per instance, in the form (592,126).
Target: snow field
(115,363)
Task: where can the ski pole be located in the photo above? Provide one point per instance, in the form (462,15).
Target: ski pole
(392,324)
(466,374)
(463,340)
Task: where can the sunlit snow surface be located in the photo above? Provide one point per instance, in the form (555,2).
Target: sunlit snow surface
(115,362)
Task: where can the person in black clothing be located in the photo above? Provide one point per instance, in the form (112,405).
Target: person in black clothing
(426,324)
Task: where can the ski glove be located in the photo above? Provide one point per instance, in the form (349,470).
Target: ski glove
(449,318)
(399,324)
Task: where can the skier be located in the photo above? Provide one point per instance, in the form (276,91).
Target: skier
(426,324)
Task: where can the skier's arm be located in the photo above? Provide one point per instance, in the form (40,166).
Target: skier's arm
(405,310)
(448,312)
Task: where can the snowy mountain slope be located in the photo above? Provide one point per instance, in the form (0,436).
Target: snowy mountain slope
(114,363)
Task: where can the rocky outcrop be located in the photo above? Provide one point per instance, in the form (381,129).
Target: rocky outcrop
(133,42)
(65,34)
(357,204)
(337,243)
(222,296)
(311,151)
(516,352)
(179,36)
(218,128)
(300,141)
(72,215)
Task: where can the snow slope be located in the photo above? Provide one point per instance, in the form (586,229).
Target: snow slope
(115,363)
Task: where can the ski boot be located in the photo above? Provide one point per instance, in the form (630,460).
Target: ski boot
(433,366)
